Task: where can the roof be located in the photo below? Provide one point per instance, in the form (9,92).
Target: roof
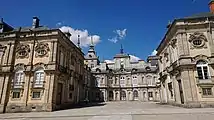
(27,29)
(121,55)
(195,16)
(199,15)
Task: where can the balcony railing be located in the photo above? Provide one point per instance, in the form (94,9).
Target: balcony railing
(207,80)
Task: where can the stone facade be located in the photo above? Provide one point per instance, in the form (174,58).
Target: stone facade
(186,62)
(122,79)
(40,69)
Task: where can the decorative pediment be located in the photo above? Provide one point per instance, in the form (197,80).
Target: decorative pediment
(20,66)
(38,66)
(199,57)
(42,49)
(22,51)
(197,35)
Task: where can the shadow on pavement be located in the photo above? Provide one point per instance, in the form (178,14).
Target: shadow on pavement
(81,105)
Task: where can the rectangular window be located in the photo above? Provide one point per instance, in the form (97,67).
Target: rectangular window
(39,79)
(61,59)
(16,94)
(36,95)
(205,72)
(207,91)
(150,94)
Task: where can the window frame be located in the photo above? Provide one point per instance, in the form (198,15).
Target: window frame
(40,82)
(202,66)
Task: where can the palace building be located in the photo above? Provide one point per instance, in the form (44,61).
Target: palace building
(40,69)
(123,79)
(186,61)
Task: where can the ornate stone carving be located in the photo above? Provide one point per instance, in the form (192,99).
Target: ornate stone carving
(197,40)
(173,43)
(42,49)
(22,51)
(200,57)
(20,66)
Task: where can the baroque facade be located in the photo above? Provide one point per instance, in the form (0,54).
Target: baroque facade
(40,69)
(187,61)
(123,79)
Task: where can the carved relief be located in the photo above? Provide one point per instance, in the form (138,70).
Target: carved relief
(200,57)
(22,51)
(42,49)
(20,65)
(173,43)
(197,40)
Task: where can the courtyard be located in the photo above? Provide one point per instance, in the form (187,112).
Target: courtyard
(118,111)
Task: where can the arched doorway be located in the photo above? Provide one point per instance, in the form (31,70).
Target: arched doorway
(111,96)
(116,96)
(123,95)
(135,94)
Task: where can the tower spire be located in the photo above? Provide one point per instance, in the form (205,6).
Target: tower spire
(78,43)
(121,49)
(92,42)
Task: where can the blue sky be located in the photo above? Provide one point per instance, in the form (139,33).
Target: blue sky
(144,20)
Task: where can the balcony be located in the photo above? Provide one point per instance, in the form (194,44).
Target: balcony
(208,81)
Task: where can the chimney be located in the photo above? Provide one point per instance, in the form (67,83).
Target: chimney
(211,5)
(35,22)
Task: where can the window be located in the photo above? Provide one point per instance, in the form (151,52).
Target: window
(122,80)
(135,94)
(39,78)
(207,91)
(16,94)
(41,52)
(197,42)
(123,95)
(36,95)
(150,94)
(61,58)
(19,78)
(202,70)
(22,53)
(115,80)
(92,65)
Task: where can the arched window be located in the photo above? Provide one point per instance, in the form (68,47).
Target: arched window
(39,78)
(202,69)
(149,80)
(19,78)
(135,95)
(123,95)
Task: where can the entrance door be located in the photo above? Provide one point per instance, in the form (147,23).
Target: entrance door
(59,94)
(181,91)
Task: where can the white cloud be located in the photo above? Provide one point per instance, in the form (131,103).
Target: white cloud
(120,34)
(59,24)
(109,61)
(134,58)
(85,38)
(154,52)
(114,39)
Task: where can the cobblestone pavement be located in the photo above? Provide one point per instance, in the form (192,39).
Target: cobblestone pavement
(118,111)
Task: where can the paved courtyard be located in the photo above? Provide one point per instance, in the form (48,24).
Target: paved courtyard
(118,111)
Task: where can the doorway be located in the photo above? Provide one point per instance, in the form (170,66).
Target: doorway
(181,91)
